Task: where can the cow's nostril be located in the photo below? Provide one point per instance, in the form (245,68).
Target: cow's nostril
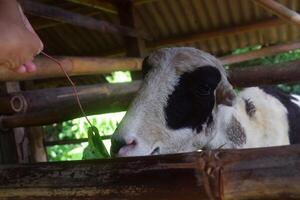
(118,143)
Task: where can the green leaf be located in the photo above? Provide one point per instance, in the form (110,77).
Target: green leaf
(95,148)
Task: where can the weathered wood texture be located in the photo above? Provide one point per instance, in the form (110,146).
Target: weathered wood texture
(266,173)
(40,107)
(78,66)
(61,15)
(280,10)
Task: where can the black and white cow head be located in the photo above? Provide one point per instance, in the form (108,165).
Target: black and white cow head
(174,109)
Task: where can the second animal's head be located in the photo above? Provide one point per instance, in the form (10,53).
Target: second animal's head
(175,107)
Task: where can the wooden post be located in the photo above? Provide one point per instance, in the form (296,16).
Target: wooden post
(36,144)
(134,46)
(263,173)
(21,138)
(280,10)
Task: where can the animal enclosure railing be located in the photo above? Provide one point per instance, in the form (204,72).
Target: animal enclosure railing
(264,173)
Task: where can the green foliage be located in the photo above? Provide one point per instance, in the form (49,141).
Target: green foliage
(96,147)
(65,152)
(119,77)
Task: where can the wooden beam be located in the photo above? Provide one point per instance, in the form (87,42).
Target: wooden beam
(58,14)
(266,51)
(44,106)
(202,36)
(263,173)
(280,10)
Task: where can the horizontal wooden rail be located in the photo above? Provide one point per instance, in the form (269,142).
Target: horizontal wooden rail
(74,66)
(53,105)
(264,173)
(78,66)
(40,107)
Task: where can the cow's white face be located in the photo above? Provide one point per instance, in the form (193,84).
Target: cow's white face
(173,110)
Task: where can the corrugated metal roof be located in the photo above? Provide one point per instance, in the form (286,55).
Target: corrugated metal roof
(169,19)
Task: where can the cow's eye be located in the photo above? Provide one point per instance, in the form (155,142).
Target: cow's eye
(203,90)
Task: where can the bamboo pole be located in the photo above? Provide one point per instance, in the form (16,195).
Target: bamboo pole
(266,51)
(54,105)
(75,66)
(280,10)
(264,173)
(40,107)
(78,66)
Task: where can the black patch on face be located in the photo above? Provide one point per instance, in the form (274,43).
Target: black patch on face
(293,112)
(250,107)
(235,132)
(191,103)
(146,67)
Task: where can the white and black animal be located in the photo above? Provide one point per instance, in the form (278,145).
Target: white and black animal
(186,103)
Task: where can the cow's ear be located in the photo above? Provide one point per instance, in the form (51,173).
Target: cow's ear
(146,67)
(192,101)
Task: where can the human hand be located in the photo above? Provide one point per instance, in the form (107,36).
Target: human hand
(19,42)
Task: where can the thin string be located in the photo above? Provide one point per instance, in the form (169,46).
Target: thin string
(75,92)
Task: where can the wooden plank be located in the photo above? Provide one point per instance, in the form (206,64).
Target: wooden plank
(58,14)
(263,173)
(280,10)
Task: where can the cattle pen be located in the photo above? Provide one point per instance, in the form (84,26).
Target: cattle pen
(92,38)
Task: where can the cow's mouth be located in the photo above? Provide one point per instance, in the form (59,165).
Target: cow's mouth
(155,151)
